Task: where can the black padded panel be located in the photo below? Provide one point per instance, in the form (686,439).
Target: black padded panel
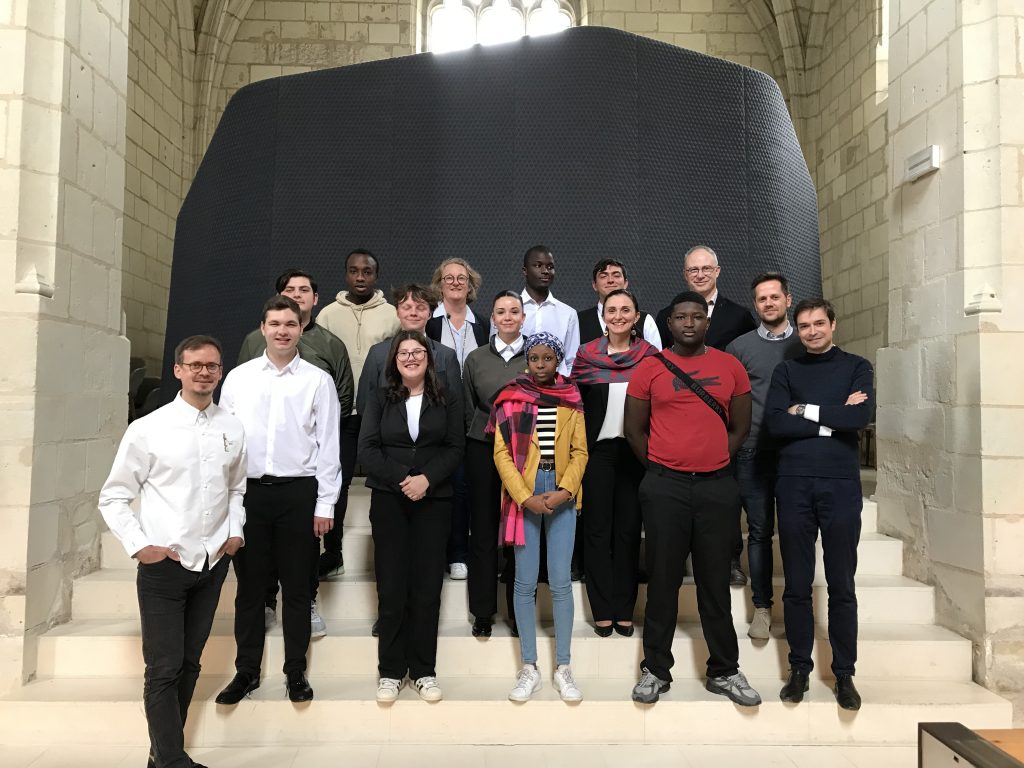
(595,142)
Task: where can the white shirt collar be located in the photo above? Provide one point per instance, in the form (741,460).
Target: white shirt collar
(189,413)
(713,298)
(441,311)
(528,299)
(290,368)
(767,335)
(515,346)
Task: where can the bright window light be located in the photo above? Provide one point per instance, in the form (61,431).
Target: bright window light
(457,24)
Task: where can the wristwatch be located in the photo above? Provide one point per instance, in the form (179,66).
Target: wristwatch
(800,409)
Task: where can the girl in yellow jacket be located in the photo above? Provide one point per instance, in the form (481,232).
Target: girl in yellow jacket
(540,450)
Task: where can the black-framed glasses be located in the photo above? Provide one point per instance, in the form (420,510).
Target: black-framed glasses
(197,367)
(411,354)
(455,279)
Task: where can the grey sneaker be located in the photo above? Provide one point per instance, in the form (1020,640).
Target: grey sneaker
(760,624)
(736,688)
(317,626)
(269,618)
(649,688)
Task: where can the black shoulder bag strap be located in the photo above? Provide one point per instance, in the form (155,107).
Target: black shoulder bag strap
(696,388)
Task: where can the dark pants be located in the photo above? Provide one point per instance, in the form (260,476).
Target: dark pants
(409,540)
(755,474)
(177,608)
(458,538)
(833,506)
(689,515)
(612,509)
(314,578)
(278,534)
(349,441)
(484,497)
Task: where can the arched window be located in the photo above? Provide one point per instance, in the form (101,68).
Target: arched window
(456,24)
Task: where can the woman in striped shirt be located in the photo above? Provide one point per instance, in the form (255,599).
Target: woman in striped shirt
(540,450)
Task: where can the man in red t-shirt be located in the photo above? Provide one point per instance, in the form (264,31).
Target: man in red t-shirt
(687,413)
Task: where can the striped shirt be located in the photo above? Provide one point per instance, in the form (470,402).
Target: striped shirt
(546,416)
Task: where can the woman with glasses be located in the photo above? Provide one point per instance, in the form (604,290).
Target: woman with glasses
(455,326)
(410,442)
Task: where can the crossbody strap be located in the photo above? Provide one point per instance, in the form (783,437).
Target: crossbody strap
(696,388)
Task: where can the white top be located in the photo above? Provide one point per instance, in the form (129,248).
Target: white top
(614,415)
(651,334)
(558,319)
(461,340)
(711,302)
(508,351)
(188,466)
(291,420)
(412,415)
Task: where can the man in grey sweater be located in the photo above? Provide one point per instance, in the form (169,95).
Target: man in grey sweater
(760,351)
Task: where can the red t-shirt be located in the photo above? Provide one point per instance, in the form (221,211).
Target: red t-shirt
(686,434)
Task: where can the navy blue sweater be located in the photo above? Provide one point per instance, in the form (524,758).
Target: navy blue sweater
(825,380)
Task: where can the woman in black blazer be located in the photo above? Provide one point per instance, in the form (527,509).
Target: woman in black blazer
(410,441)
(611,484)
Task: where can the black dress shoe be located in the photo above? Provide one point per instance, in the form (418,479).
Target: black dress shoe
(298,687)
(846,693)
(737,577)
(626,630)
(603,631)
(482,627)
(794,690)
(241,685)
(375,629)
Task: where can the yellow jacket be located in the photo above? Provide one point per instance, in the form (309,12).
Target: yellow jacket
(570,458)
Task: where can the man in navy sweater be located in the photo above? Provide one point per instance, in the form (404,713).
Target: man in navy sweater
(816,405)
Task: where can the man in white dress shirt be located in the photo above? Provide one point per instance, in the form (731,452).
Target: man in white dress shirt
(543,311)
(290,411)
(187,462)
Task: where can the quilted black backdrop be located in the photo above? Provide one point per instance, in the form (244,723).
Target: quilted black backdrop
(595,142)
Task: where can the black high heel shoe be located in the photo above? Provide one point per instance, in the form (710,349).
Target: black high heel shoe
(626,630)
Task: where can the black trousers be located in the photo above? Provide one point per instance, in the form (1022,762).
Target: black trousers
(689,515)
(611,501)
(278,534)
(177,608)
(349,441)
(409,550)
(833,506)
(484,500)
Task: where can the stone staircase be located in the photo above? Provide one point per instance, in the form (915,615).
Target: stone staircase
(89,686)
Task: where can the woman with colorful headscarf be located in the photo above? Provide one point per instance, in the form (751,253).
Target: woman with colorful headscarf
(540,450)
(602,371)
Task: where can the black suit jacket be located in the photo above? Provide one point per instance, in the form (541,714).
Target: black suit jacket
(389,454)
(728,322)
(481,330)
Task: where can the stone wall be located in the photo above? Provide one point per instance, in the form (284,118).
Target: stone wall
(62,119)
(159,167)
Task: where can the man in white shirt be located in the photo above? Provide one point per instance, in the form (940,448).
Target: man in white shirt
(187,462)
(543,311)
(290,411)
(610,275)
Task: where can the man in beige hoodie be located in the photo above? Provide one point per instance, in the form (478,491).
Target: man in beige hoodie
(360,317)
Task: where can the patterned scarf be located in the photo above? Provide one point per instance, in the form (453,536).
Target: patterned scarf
(514,413)
(594,365)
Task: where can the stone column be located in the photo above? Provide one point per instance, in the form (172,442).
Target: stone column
(63,78)
(951,382)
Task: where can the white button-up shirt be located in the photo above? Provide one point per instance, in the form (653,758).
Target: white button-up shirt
(291,419)
(558,319)
(188,466)
(508,351)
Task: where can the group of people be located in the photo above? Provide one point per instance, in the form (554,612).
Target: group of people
(555,434)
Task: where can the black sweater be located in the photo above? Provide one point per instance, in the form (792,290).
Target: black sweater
(826,380)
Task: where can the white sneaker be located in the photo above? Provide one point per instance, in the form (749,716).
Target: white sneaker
(428,689)
(269,618)
(388,688)
(527,682)
(760,625)
(458,571)
(317,626)
(565,684)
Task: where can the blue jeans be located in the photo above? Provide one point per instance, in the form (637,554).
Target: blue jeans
(755,474)
(561,536)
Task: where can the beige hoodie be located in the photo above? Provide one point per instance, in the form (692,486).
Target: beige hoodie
(360,326)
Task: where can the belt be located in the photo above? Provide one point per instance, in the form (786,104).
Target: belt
(274,480)
(546,465)
(660,469)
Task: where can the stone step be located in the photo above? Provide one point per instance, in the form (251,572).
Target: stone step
(881,599)
(885,651)
(877,554)
(109,711)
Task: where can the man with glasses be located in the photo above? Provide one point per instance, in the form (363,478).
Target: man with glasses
(186,462)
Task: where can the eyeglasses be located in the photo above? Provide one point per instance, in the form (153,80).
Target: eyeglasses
(411,354)
(701,270)
(455,279)
(197,367)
